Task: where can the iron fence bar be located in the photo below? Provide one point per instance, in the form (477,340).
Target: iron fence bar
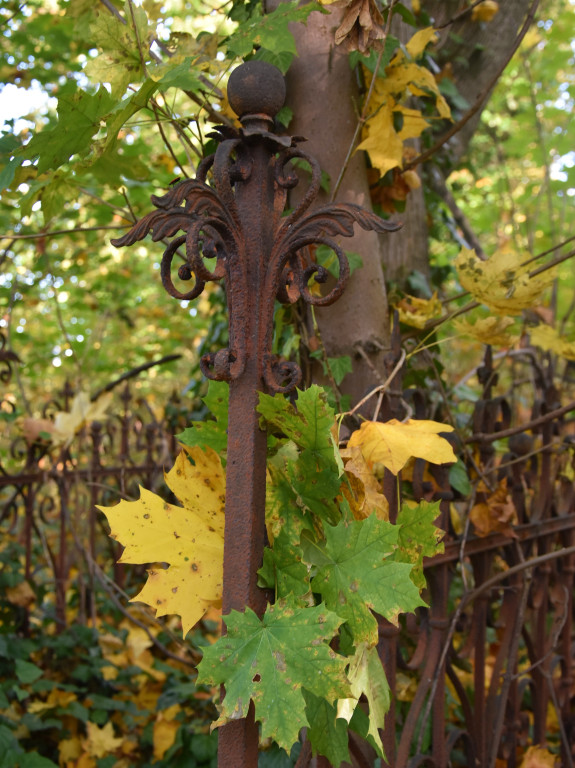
(239,222)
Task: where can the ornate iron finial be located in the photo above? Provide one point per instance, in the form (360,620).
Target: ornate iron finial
(251,178)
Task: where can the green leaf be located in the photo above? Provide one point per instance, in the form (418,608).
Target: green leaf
(459,479)
(283,569)
(283,512)
(340,367)
(282,60)
(27,672)
(123,48)
(181,76)
(327,733)
(269,661)
(34,760)
(419,537)
(211,434)
(79,116)
(309,426)
(125,110)
(356,575)
(367,678)
(271,30)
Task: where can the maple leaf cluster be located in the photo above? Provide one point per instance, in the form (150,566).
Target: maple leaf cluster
(330,541)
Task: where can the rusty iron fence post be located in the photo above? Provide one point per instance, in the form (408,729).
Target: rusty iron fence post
(238,220)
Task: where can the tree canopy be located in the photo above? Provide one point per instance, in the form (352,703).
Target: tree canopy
(129,93)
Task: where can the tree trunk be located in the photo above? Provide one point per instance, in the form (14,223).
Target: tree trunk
(323,94)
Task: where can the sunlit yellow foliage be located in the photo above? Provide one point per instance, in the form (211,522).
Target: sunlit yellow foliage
(392,444)
(488,330)
(550,340)
(502,283)
(403,78)
(189,538)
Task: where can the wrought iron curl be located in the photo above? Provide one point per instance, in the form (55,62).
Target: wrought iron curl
(216,225)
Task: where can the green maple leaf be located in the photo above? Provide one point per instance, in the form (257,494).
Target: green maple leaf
(418,537)
(79,116)
(357,575)
(123,46)
(283,569)
(326,732)
(271,30)
(283,512)
(309,426)
(270,661)
(211,434)
(367,678)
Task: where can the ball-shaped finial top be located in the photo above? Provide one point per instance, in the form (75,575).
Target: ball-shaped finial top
(256,87)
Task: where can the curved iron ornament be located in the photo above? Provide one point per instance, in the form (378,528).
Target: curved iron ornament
(206,221)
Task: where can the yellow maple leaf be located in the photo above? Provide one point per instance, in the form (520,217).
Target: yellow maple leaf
(420,41)
(365,496)
(485,11)
(166,728)
(416,312)
(403,78)
(549,340)
(381,141)
(101,741)
(538,757)
(190,539)
(83,411)
(488,330)
(56,698)
(394,443)
(68,750)
(502,282)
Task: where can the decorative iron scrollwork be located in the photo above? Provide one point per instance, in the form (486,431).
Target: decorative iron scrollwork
(219,238)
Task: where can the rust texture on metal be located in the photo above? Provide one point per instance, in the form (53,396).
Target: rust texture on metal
(239,225)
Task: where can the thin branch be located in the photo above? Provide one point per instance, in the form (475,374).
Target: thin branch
(166,142)
(75,230)
(462,14)
(439,185)
(381,388)
(551,264)
(483,437)
(480,99)
(132,373)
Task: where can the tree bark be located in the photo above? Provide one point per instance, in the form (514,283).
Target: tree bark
(324,97)
(323,94)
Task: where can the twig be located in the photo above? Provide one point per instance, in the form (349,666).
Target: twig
(165,140)
(439,184)
(364,116)
(132,373)
(460,15)
(483,437)
(75,230)
(380,388)
(551,264)
(480,99)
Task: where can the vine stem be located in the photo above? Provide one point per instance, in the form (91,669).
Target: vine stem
(364,116)
(381,388)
